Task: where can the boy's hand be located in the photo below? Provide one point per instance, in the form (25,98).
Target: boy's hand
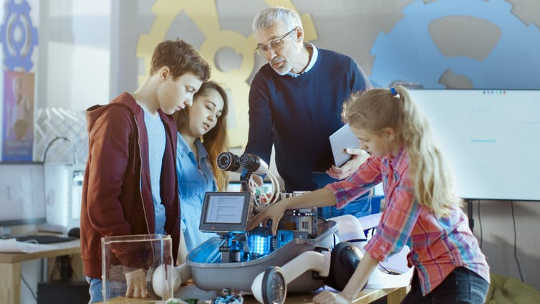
(359,156)
(273,212)
(136,284)
(327,297)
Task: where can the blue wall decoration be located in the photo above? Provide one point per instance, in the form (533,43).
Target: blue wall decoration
(18,36)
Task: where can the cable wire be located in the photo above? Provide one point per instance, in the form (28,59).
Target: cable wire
(515,243)
(480,224)
(29,288)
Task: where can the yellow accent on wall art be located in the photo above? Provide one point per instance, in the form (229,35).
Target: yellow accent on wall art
(205,16)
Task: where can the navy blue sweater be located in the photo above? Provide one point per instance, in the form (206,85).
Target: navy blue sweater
(298,114)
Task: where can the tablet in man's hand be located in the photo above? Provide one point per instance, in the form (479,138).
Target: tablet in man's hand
(340,140)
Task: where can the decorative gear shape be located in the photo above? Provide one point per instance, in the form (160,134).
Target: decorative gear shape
(19,36)
(204,14)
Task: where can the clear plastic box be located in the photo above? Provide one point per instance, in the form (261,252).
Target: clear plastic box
(136,258)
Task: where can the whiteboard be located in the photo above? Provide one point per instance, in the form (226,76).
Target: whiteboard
(490,139)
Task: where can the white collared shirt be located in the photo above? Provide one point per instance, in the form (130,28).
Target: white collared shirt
(311,63)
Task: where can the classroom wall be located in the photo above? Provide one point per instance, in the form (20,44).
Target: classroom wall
(71,63)
(497,228)
(75,54)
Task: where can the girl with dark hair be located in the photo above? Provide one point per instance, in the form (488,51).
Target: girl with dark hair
(202,135)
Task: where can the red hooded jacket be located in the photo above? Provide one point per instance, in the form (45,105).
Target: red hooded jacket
(117,197)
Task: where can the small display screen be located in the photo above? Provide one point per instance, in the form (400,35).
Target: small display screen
(225,209)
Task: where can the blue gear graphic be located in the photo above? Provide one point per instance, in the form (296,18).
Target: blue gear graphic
(15,14)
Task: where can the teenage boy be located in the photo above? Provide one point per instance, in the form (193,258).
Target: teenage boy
(130,184)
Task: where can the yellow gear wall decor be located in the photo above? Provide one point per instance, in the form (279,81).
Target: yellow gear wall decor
(205,16)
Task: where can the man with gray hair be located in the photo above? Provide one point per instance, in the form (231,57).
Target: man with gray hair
(295,102)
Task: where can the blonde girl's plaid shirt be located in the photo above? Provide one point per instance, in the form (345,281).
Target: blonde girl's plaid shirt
(438,245)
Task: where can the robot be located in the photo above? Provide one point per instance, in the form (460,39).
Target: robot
(301,257)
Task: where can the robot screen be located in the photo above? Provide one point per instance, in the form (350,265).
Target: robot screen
(225,211)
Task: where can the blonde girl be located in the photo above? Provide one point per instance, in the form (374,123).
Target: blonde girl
(422,209)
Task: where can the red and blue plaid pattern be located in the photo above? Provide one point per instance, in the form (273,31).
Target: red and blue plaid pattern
(438,245)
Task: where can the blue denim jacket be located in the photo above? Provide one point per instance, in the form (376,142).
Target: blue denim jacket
(195,178)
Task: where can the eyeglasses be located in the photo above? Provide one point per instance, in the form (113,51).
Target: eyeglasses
(275,44)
